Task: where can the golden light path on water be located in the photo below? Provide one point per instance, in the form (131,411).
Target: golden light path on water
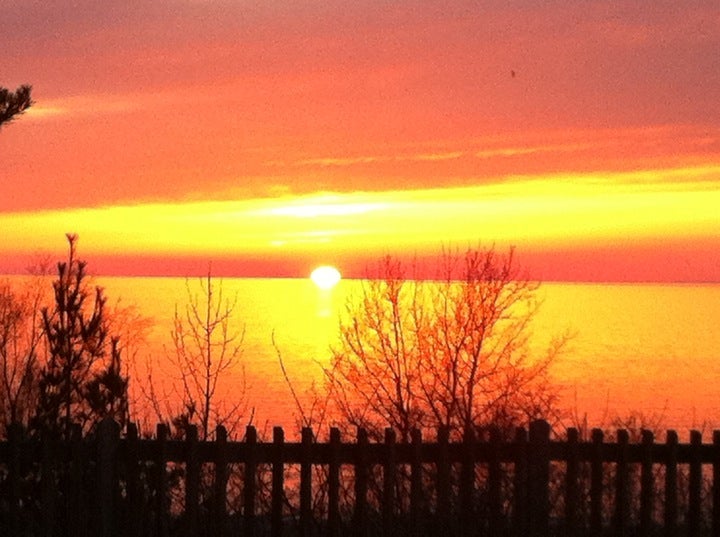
(651,349)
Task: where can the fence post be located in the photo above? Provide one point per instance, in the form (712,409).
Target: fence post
(192,482)
(416,483)
(671,507)
(520,483)
(306,482)
(334,483)
(361,483)
(695,485)
(389,472)
(716,485)
(249,485)
(278,486)
(622,500)
(596,483)
(133,520)
(74,503)
(220,484)
(646,483)
(108,433)
(495,482)
(467,480)
(47,480)
(572,490)
(15,437)
(539,475)
(443,480)
(121,459)
(161,492)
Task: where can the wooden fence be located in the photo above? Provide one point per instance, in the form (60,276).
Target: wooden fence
(109,485)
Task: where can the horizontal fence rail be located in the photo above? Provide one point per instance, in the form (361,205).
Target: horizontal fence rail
(486,484)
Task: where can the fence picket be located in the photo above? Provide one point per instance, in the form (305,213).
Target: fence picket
(132,471)
(572,490)
(249,483)
(495,482)
(622,499)
(389,479)
(15,437)
(538,478)
(75,507)
(161,488)
(716,485)
(306,482)
(646,483)
(108,433)
(596,482)
(334,483)
(278,485)
(416,495)
(220,485)
(467,481)
(360,521)
(443,479)
(671,506)
(47,477)
(442,500)
(192,480)
(695,484)
(521,495)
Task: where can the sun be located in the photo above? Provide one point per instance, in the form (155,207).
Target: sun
(325,277)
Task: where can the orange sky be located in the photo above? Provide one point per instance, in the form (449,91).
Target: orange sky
(268,138)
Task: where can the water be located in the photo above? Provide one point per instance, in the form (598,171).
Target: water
(652,349)
(289,319)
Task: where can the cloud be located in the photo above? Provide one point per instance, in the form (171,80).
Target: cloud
(323,207)
(163,100)
(81,106)
(369,159)
(340,161)
(435,157)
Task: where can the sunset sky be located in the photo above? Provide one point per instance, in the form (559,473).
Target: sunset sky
(269,137)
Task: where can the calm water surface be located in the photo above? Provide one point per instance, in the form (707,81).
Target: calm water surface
(646,348)
(653,349)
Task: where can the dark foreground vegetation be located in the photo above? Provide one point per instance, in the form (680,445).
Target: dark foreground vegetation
(14,103)
(486,484)
(425,396)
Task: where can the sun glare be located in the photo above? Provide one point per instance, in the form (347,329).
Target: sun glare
(325,277)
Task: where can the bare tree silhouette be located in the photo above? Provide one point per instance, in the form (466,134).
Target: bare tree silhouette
(452,352)
(207,371)
(22,349)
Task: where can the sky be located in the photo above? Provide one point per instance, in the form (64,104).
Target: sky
(268,137)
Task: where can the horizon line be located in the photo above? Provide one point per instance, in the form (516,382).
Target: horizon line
(353,277)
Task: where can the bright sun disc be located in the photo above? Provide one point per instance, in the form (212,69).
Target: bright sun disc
(325,277)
